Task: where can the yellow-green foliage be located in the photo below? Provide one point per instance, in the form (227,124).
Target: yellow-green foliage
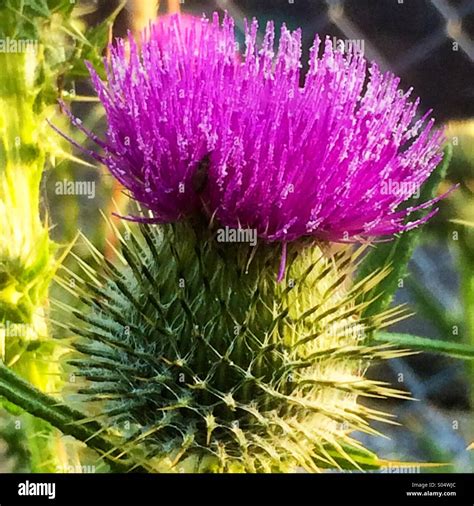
(38,46)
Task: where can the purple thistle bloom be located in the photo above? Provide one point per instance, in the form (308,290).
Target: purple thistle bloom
(159,103)
(333,159)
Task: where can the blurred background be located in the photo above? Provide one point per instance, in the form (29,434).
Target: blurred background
(429,44)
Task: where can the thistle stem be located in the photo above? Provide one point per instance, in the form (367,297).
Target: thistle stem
(466,264)
(70,422)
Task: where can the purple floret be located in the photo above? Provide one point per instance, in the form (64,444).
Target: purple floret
(159,101)
(333,159)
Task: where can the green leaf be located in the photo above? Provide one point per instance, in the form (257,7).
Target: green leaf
(428,306)
(457,350)
(360,458)
(64,7)
(398,252)
(92,47)
(16,442)
(38,7)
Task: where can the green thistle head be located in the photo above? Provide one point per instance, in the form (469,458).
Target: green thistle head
(204,362)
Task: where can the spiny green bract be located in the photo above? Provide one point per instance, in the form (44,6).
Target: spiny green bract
(213,365)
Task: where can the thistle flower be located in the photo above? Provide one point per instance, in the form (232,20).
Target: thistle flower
(201,358)
(333,159)
(159,101)
(191,125)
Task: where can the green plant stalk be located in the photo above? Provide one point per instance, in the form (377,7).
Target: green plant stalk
(466,270)
(50,44)
(70,422)
(27,255)
(416,343)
